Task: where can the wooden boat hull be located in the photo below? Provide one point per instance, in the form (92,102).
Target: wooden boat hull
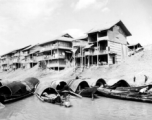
(17,90)
(125,95)
(13,99)
(132,89)
(45,99)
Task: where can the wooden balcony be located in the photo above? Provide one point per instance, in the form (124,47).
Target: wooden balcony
(88,53)
(49,57)
(33,60)
(78,55)
(4,62)
(103,38)
(16,60)
(55,47)
(96,52)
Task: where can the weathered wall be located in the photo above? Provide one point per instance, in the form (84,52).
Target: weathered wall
(117,43)
(118,49)
(117,35)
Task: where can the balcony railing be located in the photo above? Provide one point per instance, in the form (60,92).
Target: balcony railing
(15,60)
(31,60)
(78,55)
(4,62)
(96,52)
(49,57)
(76,44)
(55,47)
(103,38)
(88,53)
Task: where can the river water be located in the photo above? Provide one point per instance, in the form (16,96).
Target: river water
(83,109)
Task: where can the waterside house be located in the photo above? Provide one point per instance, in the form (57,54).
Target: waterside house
(30,56)
(12,60)
(56,53)
(78,50)
(103,45)
(133,48)
(107,44)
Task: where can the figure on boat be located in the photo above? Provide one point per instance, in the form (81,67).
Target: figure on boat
(48,94)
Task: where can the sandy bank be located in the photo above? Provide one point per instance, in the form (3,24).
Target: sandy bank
(137,65)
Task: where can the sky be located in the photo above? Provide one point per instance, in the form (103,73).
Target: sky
(28,22)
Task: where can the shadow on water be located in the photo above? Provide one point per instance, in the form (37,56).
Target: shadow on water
(83,109)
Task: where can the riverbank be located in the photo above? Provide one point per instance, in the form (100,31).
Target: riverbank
(137,65)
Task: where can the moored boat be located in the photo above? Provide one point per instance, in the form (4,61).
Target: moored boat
(82,87)
(125,95)
(96,82)
(14,91)
(48,94)
(31,82)
(131,89)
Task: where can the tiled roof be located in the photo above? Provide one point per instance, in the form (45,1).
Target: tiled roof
(108,25)
(59,38)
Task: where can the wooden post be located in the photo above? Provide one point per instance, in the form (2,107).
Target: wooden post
(74,62)
(88,61)
(108,53)
(31,60)
(97,50)
(82,58)
(58,55)
(92,59)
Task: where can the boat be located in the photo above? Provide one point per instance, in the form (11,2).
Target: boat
(125,95)
(123,85)
(46,89)
(58,84)
(32,82)
(131,89)
(61,86)
(96,82)
(46,93)
(120,83)
(16,90)
(82,88)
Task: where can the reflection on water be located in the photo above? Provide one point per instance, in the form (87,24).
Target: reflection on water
(83,109)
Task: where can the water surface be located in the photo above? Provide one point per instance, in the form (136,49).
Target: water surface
(83,109)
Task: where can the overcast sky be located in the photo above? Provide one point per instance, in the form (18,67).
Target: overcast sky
(24,22)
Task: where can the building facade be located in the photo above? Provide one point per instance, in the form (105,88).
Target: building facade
(106,45)
(12,60)
(56,54)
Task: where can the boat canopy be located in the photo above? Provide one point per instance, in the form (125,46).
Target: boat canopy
(79,84)
(96,82)
(31,82)
(58,84)
(13,88)
(45,87)
(100,82)
(120,83)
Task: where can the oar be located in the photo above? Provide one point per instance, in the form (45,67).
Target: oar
(39,97)
(76,94)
